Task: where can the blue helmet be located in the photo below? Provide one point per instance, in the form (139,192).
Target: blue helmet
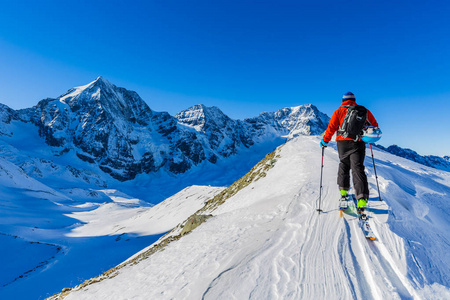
(371,135)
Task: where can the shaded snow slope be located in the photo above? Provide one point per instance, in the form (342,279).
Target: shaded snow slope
(268,241)
(51,238)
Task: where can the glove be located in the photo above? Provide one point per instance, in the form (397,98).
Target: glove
(323,143)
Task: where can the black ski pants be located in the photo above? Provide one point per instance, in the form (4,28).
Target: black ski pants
(351,155)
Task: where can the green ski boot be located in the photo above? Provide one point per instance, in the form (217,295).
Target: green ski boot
(362,203)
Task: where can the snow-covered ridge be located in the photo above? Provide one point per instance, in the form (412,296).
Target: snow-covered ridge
(267,239)
(217,197)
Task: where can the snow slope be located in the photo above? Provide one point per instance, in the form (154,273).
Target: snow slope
(269,242)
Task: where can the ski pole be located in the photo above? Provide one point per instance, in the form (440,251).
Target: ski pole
(321,173)
(375,169)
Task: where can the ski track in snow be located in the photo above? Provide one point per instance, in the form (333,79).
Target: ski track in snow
(269,242)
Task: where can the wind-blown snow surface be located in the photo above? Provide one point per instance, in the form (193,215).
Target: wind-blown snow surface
(269,242)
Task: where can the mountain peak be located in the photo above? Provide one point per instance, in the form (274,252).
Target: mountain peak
(204,109)
(200,115)
(99,100)
(93,87)
(104,93)
(101,81)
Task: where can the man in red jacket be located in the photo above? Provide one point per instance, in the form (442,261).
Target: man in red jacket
(351,153)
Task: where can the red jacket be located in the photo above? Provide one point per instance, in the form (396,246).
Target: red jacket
(338,117)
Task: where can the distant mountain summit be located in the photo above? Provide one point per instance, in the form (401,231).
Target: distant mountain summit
(114,128)
(290,121)
(219,135)
(203,117)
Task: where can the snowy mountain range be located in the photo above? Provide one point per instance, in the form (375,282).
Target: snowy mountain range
(115,129)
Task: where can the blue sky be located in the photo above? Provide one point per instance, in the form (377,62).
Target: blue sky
(245,57)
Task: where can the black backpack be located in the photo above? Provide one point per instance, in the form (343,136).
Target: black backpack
(354,122)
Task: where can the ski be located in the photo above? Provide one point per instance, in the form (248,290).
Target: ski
(363,221)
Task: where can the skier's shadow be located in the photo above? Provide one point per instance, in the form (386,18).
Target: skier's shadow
(378,207)
(378,211)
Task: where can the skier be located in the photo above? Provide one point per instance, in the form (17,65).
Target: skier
(351,151)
